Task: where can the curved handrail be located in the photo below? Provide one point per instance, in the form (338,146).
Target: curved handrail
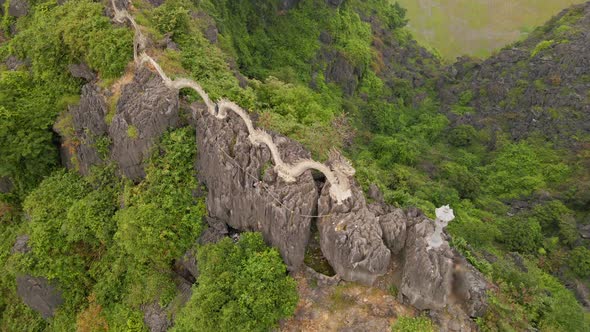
(337,173)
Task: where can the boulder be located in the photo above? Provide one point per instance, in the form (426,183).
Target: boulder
(16,8)
(427,273)
(246,193)
(155,317)
(5,185)
(584,231)
(351,237)
(39,294)
(78,139)
(146,109)
(81,70)
(21,245)
(393,226)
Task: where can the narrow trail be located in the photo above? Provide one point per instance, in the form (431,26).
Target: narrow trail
(337,173)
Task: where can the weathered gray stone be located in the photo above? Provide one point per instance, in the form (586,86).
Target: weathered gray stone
(146,109)
(155,317)
(437,278)
(39,294)
(245,192)
(393,226)
(21,245)
(427,274)
(351,237)
(584,231)
(82,70)
(14,63)
(469,287)
(78,148)
(5,185)
(17,8)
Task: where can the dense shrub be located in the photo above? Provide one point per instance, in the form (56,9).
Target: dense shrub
(579,262)
(242,286)
(522,234)
(413,324)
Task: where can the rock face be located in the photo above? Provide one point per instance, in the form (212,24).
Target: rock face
(245,192)
(82,70)
(351,238)
(5,185)
(88,119)
(529,89)
(21,245)
(155,317)
(16,8)
(427,274)
(38,294)
(145,110)
(435,278)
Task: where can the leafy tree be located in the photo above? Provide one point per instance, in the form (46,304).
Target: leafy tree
(241,286)
(521,234)
(161,218)
(579,261)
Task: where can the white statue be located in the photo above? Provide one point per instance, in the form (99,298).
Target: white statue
(444,215)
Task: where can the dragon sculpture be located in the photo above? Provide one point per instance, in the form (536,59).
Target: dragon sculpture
(338,170)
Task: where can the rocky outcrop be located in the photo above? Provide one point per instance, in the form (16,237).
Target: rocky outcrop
(155,317)
(537,86)
(427,274)
(88,119)
(81,70)
(260,181)
(245,191)
(146,109)
(17,8)
(351,237)
(39,294)
(437,278)
(5,185)
(21,245)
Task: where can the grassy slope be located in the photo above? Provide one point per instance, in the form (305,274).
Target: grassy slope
(477,27)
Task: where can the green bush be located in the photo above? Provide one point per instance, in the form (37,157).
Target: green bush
(462,135)
(521,234)
(241,287)
(579,262)
(413,324)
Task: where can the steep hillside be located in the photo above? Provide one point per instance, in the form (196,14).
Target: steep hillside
(170,165)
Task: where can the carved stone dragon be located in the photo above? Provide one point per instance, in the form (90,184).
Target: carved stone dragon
(337,172)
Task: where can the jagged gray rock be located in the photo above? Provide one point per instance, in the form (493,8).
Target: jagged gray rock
(5,185)
(427,274)
(21,245)
(437,278)
(17,8)
(351,237)
(39,294)
(146,109)
(81,70)
(393,225)
(78,144)
(155,317)
(245,192)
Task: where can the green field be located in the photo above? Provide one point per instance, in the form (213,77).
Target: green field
(477,27)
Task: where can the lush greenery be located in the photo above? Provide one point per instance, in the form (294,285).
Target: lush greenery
(412,324)
(242,286)
(324,76)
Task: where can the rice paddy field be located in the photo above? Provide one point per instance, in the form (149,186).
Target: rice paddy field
(477,27)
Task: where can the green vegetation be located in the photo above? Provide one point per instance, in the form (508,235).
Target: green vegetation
(413,324)
(242,286)
(449,26)
(325,77)
(541,46)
